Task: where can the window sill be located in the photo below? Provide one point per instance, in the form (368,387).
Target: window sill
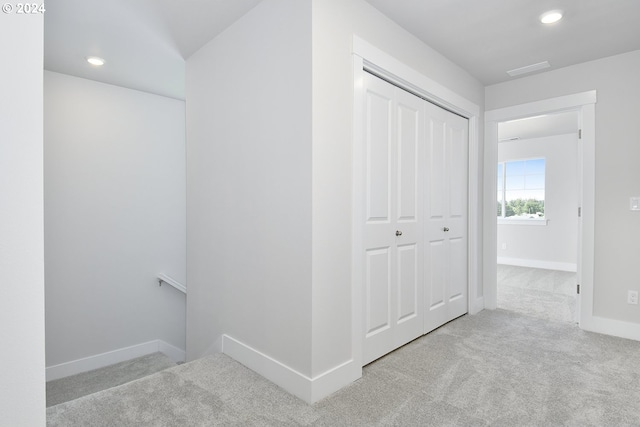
(531,221)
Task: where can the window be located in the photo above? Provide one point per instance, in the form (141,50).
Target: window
(521,189)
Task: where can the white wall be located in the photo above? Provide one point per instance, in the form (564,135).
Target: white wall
(554,245)
(249,186)
(335,22)
(114,217)
(269,190)
(22,371)
(617,229)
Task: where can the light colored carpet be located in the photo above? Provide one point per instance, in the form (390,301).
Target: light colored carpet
(547,294)
(495,368)
(75,386)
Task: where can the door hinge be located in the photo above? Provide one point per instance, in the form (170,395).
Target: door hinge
(579,133)
(578,288)
(579,211)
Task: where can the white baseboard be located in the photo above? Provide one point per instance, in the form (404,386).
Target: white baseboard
(308,389)
(617,328)
(534,263)
(476,306)
(116,356)
(177,354)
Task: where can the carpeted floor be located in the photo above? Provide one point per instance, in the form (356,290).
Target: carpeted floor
(495,368)
(547,294)
(75,386)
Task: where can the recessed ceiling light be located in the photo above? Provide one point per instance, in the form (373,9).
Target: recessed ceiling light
(551,16)
(94,60)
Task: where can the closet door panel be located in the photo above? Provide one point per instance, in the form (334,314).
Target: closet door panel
(446,283)
(435,273)
(378,289)
(407,190)
(378,149)
(408,282)
(379,222)
(393,294)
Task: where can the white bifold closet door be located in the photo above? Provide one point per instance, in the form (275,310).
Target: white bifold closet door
(393,286)
(400,156)
(446,278)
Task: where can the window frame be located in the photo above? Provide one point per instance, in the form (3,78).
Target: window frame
(502,219)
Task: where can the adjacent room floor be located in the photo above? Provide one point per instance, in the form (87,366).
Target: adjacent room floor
(546,294)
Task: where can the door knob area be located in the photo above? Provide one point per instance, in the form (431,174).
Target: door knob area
(445,229)
(398,233)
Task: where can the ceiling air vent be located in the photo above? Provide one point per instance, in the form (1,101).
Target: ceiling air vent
(529,68)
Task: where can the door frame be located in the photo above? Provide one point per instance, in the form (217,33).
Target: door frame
(368,58)
(584,104)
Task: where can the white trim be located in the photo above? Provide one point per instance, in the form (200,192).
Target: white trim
(358,200)
(368,57)
(477,306)
(583,103)
(334,379)
(529,221)
(306,388)
(178,355)
(490,226)
(537,263)
(399,73)
(476,301)
(617,328)
(111,357)
(586,250)
(537,108)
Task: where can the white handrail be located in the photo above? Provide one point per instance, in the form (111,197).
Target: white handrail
(163,278)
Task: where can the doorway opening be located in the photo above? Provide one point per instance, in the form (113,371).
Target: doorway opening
(537,215)
(584,105)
